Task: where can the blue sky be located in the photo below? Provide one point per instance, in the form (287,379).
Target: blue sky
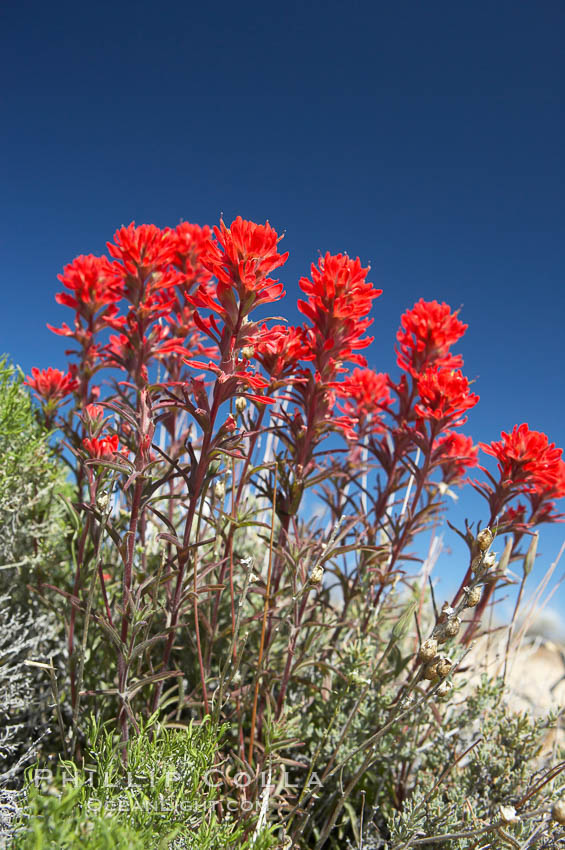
(426,138)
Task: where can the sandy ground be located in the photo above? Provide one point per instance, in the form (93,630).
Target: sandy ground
(535,674)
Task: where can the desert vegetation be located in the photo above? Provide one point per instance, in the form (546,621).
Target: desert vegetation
(219,627)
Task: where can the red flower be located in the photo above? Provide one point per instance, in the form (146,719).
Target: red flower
(242,260)
(51,385)
(280,348)
(339,299)
(367,393)
(426,334)
(190,243)
(455,453)
(104,447)
(444,395)
(513,517)
(526,457)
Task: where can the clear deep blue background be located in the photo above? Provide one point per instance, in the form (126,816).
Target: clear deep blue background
(427,138)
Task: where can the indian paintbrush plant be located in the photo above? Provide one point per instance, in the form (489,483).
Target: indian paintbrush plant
(204,441)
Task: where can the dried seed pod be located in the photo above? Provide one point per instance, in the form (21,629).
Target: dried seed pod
(489,560)
(440,633)
(508,814)
(430,671)
(102,501)
(444,689)
(452,626)
(558,811)
(473,597)
(240,404)
(443,667)
(478,566)
(428,650)
(484,539)
(446,612)
(483,563)
(317,574)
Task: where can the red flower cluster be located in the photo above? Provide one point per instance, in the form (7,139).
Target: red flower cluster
(444,396)
(455,453)
(527,458)
(280,349)
(159,268)
(190,243)
(426,334)
(104,447)
(339,300)
(367,394)
(51,385)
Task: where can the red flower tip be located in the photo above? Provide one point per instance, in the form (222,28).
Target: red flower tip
(527,457)
(367,394)
(339,300)
(243,259)
(456,453)
(146,247)
(426,334)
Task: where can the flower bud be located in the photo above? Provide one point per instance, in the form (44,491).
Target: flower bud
(402,625)
(473,597)
(505,557)
(530,558)
(484,539)
(240,404)
(558,811)
(230,424)
(93,418)
(428,650)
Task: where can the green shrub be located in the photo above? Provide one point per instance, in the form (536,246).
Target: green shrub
(166,798)
(33,549)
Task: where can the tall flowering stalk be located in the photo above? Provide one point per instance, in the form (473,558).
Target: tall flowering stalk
(407,428)
(242,260)
(530,467)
